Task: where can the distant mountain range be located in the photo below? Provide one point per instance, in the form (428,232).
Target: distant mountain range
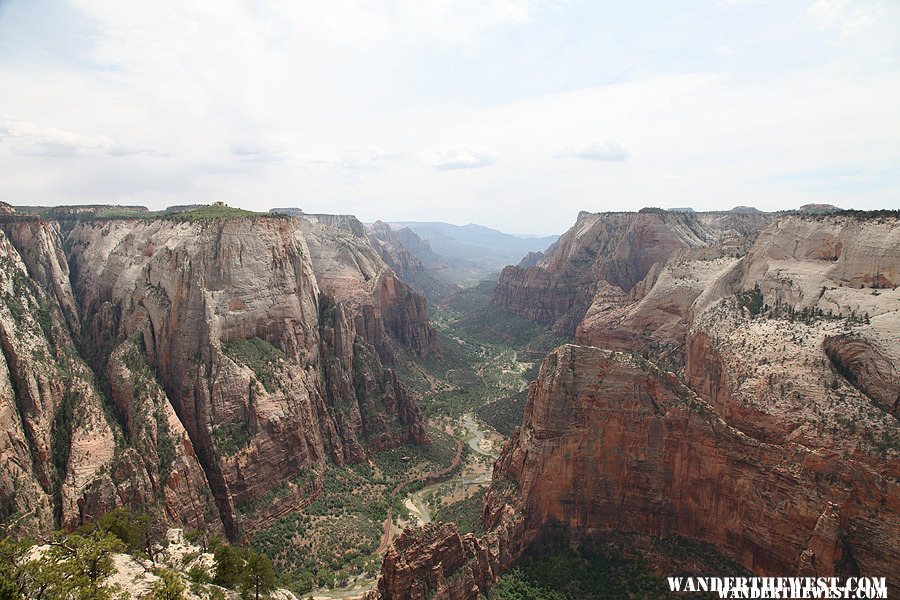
(476,249)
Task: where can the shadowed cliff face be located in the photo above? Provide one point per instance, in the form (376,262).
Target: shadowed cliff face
(611,250)
(774,437)
(611,443)
(401,250)
(230,360)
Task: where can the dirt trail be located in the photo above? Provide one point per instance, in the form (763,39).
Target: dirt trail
(416,501)
(389,522)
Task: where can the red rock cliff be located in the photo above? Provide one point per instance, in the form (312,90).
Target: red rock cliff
(616,248)
(610,442)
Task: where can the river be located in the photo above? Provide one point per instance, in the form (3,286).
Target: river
(477,440)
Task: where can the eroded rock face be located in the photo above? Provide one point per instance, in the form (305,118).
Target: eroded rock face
(654,317)
(401,251)
(436,562)
(237,358)
(610,442)
(866,367)
(616,249)
(624,446)
(348,268)
(57,442)
(774,437)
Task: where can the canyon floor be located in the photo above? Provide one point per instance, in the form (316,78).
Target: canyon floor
(475,369)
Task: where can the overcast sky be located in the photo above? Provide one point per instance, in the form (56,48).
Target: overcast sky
(515,114)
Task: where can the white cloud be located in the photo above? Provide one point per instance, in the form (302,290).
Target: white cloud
(265,102)
(352,158)
(358,158)
(844,16)
(258,153)
(26,138)
(459,156)
(603,150)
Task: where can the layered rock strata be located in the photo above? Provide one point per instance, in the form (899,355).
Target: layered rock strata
(774,438)
(612,443)
(192,367)
(614,251)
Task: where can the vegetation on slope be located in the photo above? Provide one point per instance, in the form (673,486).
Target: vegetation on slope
(81,564)
(259,355)
(215,211)
(332,541)
(487,354)
(505,414)
(466,513)
(557,570)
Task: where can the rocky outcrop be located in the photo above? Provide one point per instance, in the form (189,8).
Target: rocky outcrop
(436,562)
(867,368)
(400,250)
(653,319)
(403,262)
(775,341)
(611,443)
(665,462)
(619,250)
(349,269)
(57,441)
(234,357)
(159,462)
(348,223)
(775,437)
(616,248)
(40,247)
(232,320)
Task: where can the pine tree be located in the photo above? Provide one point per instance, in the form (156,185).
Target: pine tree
(259,576)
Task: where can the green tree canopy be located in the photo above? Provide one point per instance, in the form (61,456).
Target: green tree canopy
(259,576)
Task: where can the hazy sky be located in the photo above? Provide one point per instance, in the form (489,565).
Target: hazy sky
(515,114)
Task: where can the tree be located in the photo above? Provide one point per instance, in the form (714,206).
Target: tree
(136,530)
(77,567)
(168,587)
(13,574)
(229,566)
(259,576)
(8,589)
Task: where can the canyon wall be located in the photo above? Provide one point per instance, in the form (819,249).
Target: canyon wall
(773,436)
(405,252)
(194,366)
(611,251)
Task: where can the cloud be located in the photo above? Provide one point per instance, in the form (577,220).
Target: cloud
(258,154)
(28,139)
(844,16)
(603,150)
(354,158)
(459,156)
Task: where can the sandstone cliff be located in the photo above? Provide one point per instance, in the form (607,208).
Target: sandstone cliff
(192,366)
(611,442)
(775,436)
(610,250)
(401,251)
(348,268)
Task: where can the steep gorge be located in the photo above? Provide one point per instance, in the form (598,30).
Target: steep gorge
(202,363)
(770,433)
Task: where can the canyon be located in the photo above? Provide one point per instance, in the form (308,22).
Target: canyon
(189,366)
(728,381)
(734,383)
